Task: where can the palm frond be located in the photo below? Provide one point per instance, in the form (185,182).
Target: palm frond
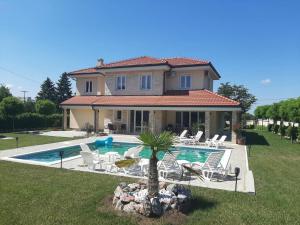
(126,163)
(193,171)
(158,142)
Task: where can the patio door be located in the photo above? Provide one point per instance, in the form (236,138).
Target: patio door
(139,121)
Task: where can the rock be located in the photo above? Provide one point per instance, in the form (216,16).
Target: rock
(140,195)
(147,209)
(139,208)
(126,189)
(184,191)
(123,185)
(172,188)
(133,187)
(174,205)
(125,198)
(166,207)
(115,200)
(156,206)
(162,185)
(142,182)
(182,198)
(118,191)
(119,205)
(129,208)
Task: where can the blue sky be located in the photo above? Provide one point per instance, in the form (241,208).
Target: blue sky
(255,43)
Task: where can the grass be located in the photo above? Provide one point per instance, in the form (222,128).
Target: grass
(28,140)
(39,195)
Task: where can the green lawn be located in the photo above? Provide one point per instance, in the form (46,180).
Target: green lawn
(39,195)
(28,140)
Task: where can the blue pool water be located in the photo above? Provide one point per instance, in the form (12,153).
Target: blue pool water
(186,153)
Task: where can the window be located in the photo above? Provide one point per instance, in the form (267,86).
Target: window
(185,82)
(119,115)
(121,82)
(88,86)
(187,119)
(146,81)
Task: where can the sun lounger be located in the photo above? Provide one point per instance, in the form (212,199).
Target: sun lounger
(169,167)
(209,142)
(133,152)
(220,142)
(193,140)
(182,136)
(89,160)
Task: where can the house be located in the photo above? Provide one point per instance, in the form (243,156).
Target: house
(144,93)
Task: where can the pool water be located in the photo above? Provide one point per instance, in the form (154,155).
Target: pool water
(186,153)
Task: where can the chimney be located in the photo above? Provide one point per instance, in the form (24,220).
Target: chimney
(100,62)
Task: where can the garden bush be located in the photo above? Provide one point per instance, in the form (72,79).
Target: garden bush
(30,120)
(270,127)
(276,128)
(54,120)
(282,130)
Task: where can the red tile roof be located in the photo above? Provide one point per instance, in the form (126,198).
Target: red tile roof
(145,61)
(195,98)
(85,71)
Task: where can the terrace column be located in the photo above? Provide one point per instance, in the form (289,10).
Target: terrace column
(65,116)
(96,120)
(207,125)
(151,121)
(235,123)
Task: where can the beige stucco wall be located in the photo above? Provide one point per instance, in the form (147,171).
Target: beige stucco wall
(133,83)
(198,80)
(79,118)
(97,85)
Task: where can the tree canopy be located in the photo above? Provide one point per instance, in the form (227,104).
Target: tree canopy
(4,92)
(238,93)
(48,91)
(63,88)
(45,107)
(288,110)
(11,106)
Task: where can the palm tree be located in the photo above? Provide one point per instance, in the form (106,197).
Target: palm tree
(156,142)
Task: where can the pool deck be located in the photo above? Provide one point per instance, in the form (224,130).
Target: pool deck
(238,158)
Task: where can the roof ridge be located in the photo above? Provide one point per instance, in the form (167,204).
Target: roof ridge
(133,58)
(189,58)
(221,96)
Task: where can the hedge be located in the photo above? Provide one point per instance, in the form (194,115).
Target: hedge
(31,121)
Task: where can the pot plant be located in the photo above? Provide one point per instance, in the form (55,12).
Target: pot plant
(240,139)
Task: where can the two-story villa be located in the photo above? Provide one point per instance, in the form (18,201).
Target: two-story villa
(143,93)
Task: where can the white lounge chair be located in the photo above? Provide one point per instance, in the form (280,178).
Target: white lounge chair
(193,140)
(133,152)
(213,165)
(220,142)
(89,160)
(209,142)
(182,136)
(169,167)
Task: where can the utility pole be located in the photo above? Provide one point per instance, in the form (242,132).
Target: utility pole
(24,92)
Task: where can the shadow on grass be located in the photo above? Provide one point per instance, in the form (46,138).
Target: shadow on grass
(254,138)
(200,203)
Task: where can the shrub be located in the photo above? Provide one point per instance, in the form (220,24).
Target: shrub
(270,127)
(54,120)
(30,120)
(276,129)
(45,107)
(282,131)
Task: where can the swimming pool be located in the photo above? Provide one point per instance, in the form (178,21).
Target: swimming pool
(190,154)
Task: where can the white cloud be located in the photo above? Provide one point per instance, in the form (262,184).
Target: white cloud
(266,81)
(20,87)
